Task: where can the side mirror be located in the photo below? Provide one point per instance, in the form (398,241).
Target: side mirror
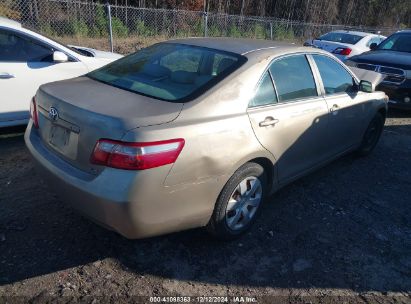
(60,57)
(373,46)
(366,86)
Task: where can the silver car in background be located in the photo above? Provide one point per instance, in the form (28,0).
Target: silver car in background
(198,132)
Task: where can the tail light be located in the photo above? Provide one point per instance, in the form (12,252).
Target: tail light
(342,51)
(136,156)
(33,113)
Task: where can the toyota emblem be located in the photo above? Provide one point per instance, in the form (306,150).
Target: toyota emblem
(53,114)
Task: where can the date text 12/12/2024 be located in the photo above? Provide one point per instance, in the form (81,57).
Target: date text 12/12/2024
(203,299)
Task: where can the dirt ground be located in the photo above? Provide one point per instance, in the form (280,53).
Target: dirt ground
(340,235)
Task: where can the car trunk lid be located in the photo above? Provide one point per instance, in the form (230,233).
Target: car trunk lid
(74,114)
(330,46)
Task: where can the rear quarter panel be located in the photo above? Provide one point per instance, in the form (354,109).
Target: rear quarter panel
(216,128)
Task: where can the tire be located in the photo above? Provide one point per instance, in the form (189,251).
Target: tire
(371,135)
(235,213)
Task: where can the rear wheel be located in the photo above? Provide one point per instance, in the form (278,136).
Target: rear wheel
(371,135)
(239,202)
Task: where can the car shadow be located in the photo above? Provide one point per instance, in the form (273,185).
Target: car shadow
(12,131)
(344,226)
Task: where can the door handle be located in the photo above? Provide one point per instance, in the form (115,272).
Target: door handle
(268,121)
(6,76)
(334,108)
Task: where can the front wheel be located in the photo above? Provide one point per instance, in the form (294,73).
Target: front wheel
(239,202)
(371,135)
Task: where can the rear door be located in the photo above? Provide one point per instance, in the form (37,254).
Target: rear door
(289,117)
(347,106)
(25,64)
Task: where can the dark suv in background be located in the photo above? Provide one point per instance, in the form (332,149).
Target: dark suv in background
(393,59)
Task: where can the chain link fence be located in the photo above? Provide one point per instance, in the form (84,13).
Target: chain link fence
(87,22)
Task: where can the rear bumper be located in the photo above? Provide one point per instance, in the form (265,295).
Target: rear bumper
(13,123)
(14,119)
(399,105)
(136,204)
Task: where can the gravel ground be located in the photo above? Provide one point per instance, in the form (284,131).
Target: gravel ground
(340,235)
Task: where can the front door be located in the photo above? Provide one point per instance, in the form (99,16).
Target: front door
(25,64)
(347,106)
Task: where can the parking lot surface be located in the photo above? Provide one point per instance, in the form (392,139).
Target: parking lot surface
(341,234)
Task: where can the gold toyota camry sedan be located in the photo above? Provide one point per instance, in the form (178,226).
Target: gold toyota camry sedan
(198,132)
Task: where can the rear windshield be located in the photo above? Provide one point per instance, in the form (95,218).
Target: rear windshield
(341,38)
(397,42)
(169,71)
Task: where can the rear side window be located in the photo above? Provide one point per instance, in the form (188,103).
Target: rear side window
(15,48)
(169,71)
(335,77)
(265,93)
(376,40)
(293,78)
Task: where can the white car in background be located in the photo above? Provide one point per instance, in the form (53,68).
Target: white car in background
(28,60)
(345,44)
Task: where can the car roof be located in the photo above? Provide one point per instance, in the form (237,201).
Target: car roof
(363,34)
(238,46)
(8,22)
